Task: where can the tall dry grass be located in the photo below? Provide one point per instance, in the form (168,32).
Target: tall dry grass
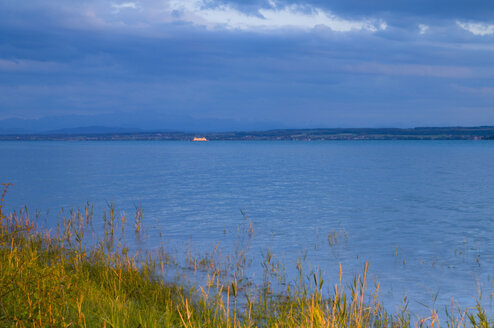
(65,279)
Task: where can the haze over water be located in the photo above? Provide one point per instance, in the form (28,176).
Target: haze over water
(420,212)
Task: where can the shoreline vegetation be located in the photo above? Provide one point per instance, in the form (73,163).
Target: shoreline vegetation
(419,133)
(72,277)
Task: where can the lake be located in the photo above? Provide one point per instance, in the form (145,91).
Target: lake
(420,212)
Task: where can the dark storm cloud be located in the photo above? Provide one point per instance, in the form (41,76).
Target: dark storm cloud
(373,65)
(439,9)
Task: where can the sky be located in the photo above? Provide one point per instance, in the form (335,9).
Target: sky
(340,63)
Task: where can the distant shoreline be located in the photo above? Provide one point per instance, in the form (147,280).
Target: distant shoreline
(421,133)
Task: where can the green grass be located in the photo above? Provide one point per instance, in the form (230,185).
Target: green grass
(60,280)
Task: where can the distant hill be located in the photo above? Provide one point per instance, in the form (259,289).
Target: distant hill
(421,133)
(127,121)
(87,130)
(4,130)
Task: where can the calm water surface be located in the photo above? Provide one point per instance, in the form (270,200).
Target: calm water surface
(421,212)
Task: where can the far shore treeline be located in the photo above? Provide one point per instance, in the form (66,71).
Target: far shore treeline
(419,133)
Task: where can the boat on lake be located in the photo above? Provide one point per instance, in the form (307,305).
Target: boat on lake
(200,139)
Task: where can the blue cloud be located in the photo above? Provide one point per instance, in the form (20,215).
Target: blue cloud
(426,65)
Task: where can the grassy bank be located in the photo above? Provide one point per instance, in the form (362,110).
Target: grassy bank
(65,279)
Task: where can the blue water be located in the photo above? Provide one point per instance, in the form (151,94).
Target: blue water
(420,212)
